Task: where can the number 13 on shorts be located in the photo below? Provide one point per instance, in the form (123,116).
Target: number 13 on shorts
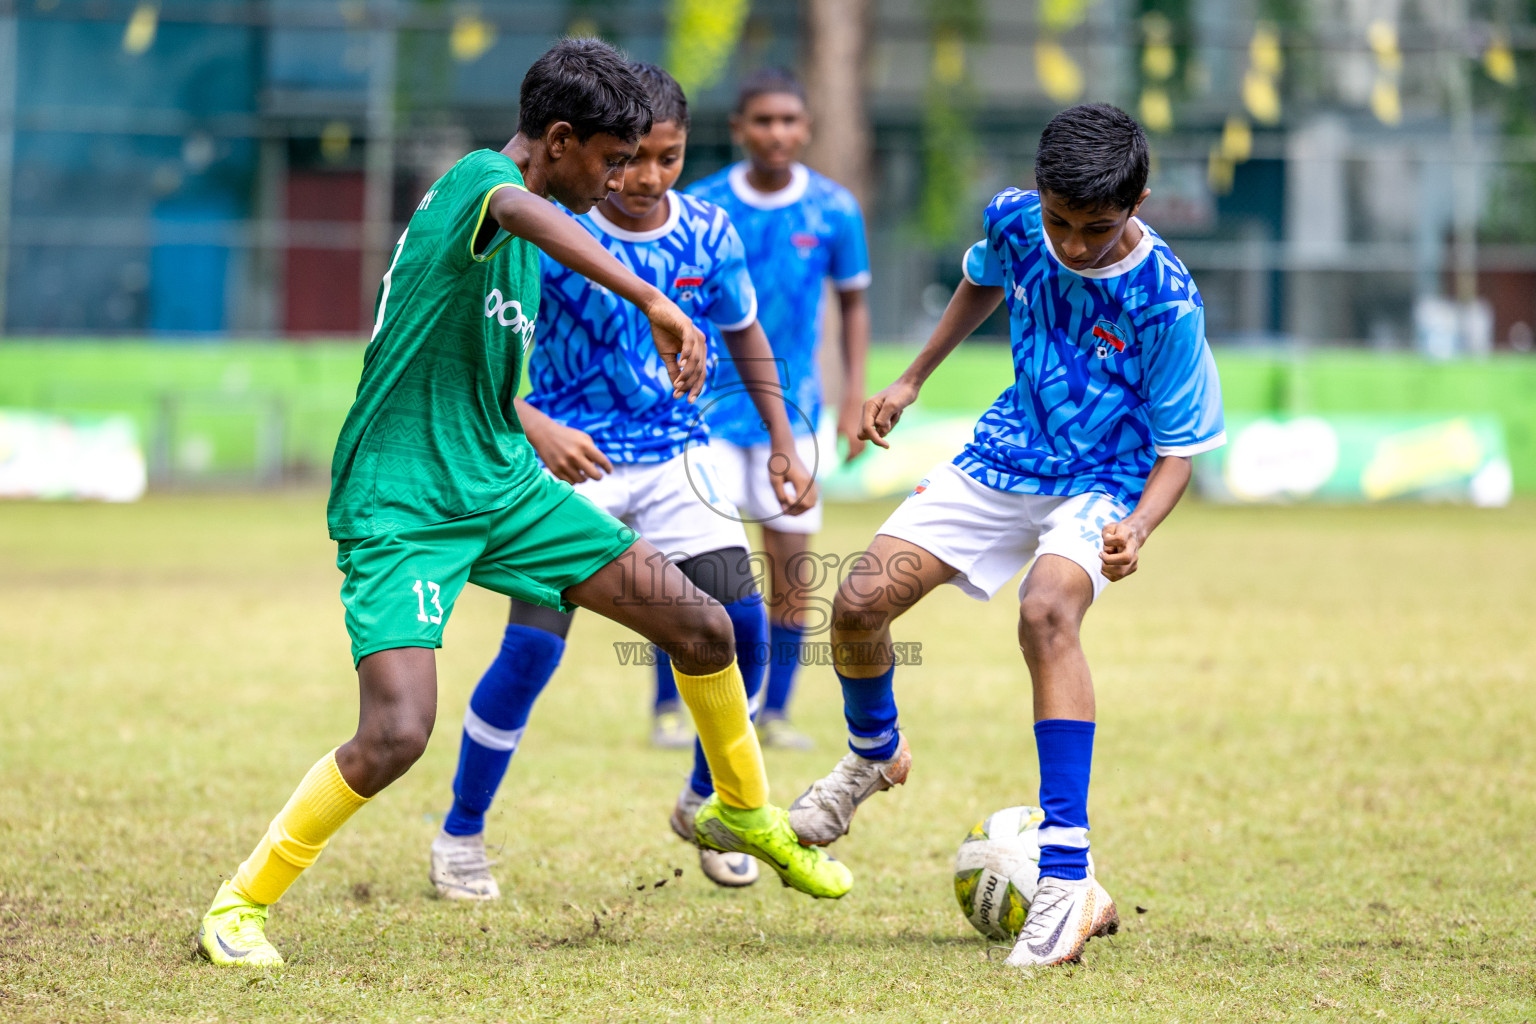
(427,591)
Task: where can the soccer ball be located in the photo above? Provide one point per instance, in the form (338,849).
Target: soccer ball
(997,871)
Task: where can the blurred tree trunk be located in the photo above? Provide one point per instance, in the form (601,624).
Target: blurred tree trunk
(836,35)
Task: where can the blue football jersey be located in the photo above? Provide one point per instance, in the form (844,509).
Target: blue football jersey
(594,364)
(795,238)
(1112,366)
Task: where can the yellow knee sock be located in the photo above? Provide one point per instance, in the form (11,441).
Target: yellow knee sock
(719,706)
(318,808)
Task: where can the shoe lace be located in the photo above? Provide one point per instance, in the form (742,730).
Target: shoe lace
(843,783)
(249,928)
(468,861)
(1040,921)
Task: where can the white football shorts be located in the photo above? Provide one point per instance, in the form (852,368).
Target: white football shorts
(989,535)
(677,505)
(744,471)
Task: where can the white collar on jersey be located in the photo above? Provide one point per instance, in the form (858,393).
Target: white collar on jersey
(799,179)
(674,214)
(1129,262)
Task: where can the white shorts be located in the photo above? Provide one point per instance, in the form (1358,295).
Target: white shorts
(744,472)
(989,534)
(676,505)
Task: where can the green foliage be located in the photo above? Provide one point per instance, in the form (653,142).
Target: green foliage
(1509,213)
(950,151)
(423,66)
(1175,14)
(701,36)
(949,143)
(1313,772)
(965,18)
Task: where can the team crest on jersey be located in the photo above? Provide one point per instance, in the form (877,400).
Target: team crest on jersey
(804,242)
(1108,337)
(688,279)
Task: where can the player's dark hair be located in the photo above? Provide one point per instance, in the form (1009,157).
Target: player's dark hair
(587,83)
(766,81)
(667,100)
(1093,155)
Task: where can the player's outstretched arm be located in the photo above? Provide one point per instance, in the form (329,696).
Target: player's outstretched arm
(570,454)
(681,343)
(755,363)
(1123,539)
(854,307)
(968,308)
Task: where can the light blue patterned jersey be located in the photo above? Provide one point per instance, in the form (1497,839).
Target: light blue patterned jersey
(594,364)
(1112,367)
(795,238)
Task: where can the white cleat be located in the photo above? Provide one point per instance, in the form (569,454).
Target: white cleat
(460,869)
(731,870)
(1063,916)
(824,813)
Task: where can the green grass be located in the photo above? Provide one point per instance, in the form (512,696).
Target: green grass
(1314,773)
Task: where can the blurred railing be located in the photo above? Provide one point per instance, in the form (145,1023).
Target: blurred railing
(239,167)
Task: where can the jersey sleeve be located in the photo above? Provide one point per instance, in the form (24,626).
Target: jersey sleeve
(849,266)
(501,236)
(731,300)
(472,201)
(981,267)
(1183,390)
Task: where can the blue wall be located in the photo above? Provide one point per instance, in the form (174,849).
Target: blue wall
(130,170)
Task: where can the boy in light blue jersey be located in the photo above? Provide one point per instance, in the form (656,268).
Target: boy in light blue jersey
(1071,469)
(602,415)
(800,228)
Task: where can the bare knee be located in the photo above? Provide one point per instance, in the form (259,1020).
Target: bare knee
(389,742)
(708,643)
(1046,622)
(857,616)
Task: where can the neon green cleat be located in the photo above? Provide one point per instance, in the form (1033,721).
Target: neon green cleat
(233,933)
(765,834)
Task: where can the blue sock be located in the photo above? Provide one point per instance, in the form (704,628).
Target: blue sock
(1066,757)
(494,721)
(667,698)
(749,623)
(784,643)
(869,705)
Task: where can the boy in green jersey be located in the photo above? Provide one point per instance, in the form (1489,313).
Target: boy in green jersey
(434,485)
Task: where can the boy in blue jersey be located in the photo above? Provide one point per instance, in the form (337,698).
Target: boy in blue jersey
(800,229)
(602,416)
(1071,468)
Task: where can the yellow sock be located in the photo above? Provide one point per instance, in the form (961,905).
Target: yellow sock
(719,706)
(318,808)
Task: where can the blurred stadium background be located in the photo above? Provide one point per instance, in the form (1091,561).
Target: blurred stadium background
(1316,775)
(196,197)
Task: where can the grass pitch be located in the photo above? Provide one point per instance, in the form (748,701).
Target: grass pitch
(1314,775)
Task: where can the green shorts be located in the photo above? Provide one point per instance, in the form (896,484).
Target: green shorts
(401,586)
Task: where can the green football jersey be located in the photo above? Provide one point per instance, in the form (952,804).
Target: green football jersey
(432,434)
